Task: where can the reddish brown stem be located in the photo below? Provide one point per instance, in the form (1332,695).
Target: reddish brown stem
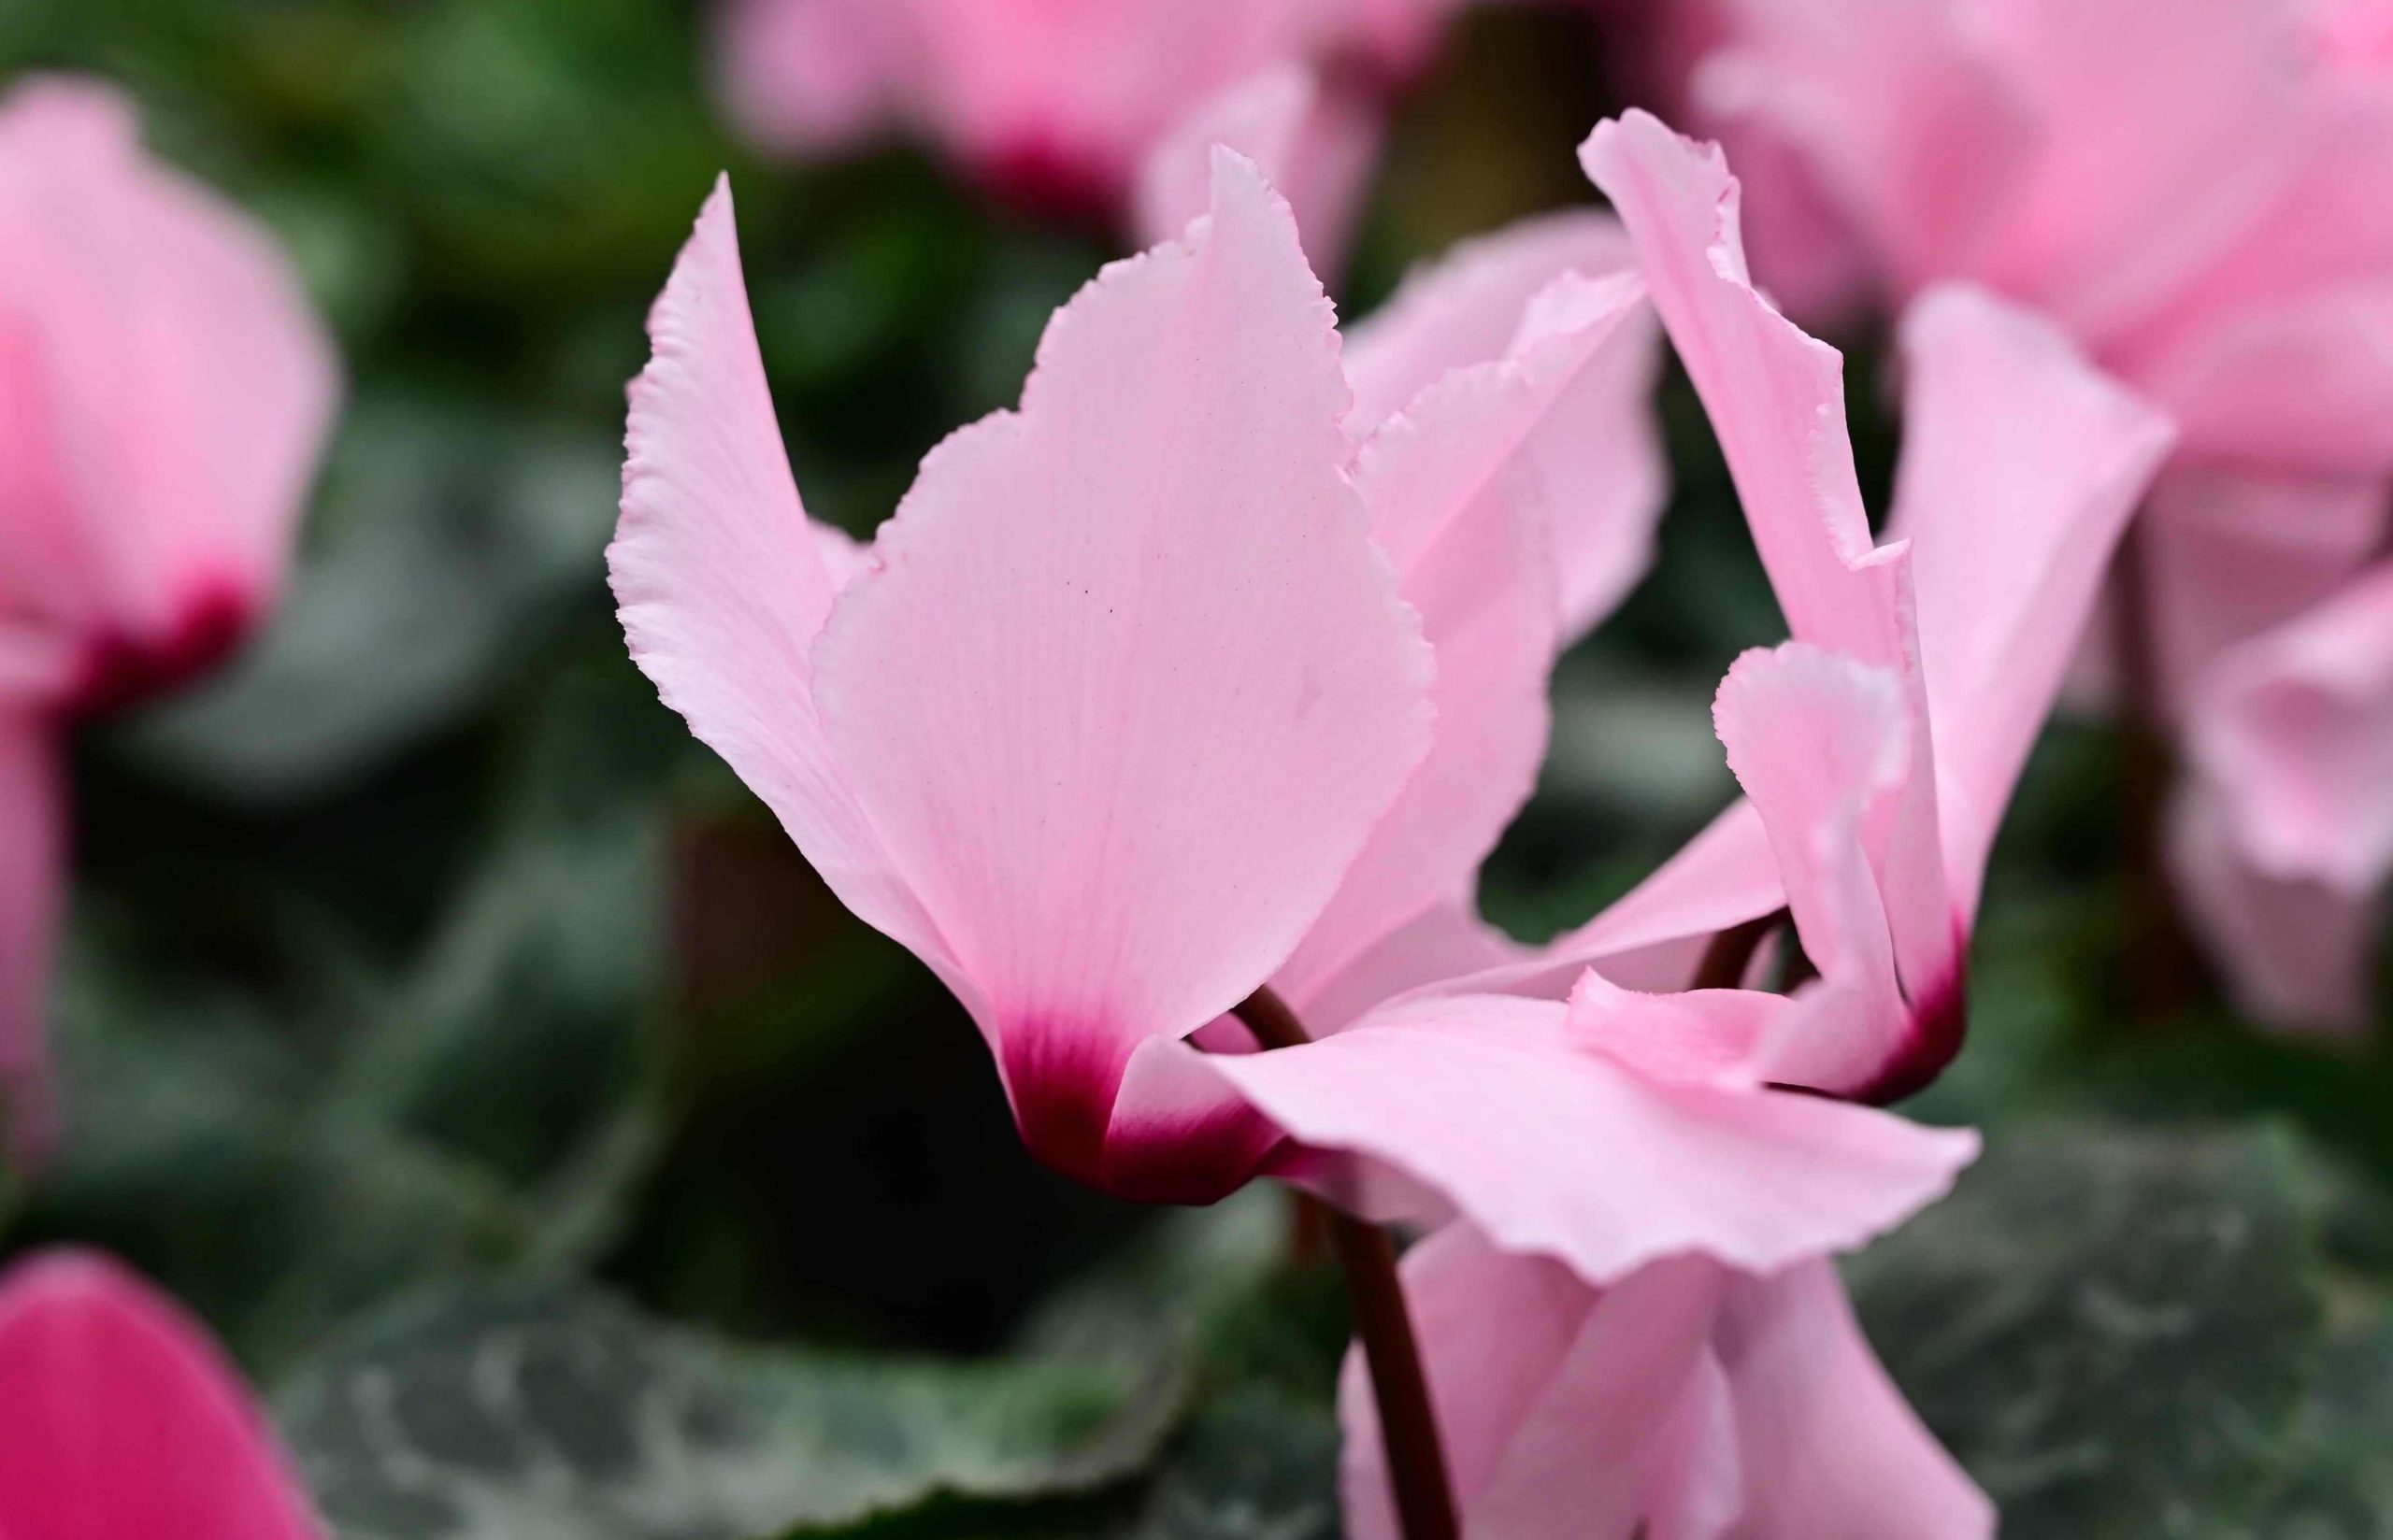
(1417,1458)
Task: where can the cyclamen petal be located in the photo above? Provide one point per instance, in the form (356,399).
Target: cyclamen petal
(1559,1150)
(722,583)
(2295,733)
(164,392)
(1461,501)
(2020,466)
(122,1420)
(1313,142)
(1685,1403)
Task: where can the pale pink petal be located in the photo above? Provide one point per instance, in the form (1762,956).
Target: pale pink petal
(2296,954)
(1558,1151)
(1461,500)
(812,75)
(1893,111)
(123,1420)
(1442,943)
(2230,553)
(2305,380)
(1700,1482)
(2294,729)
(165,395)
(1554,1401)
(2020,467)
(1315,144)
(1723,877)
(1775,396)
(32,840)
(1466,308)
(1697,1037)
(1130,685)
(723,583)
(1827,1444)
(2163,132)
(1821,745)
(1596,457)
(1776,401)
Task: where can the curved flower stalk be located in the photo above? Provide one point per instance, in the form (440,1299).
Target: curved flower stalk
(2196,198)
(164,393)
(1660,1173)
(123,1422)
(1061,106)
(1209,666)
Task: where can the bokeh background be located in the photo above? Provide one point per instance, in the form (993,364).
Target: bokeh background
(424,946)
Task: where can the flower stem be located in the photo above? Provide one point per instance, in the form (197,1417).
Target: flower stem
(1416,1460)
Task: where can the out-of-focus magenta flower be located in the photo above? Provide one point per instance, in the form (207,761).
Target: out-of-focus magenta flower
(122,1420)
(2195,195)
(1059,103)
(164,392)
(1212,664)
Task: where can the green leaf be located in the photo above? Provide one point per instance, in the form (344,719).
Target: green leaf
(282,1153)
(532,1413)
(2113,1330)
(447,539)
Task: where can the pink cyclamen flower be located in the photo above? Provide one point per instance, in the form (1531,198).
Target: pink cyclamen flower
(1060,103)
(123,1422)
(1685,1403)
(1620,1129)
(2196,195)
(1213,663)
(164,392)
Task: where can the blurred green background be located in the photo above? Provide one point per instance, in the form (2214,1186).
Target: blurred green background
(428,986)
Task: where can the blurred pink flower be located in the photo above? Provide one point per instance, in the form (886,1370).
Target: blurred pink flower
(1059,103)
(164,392)
(1215,664)
(122,1420)
(2196,194)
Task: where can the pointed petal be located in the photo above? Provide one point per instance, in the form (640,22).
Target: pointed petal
(2021,464)
(1130,685)
(1828,1444)
(2294,730)
(33,838)
(1723,877)
(121,1418)
(1466,308)
(723,583)
(1314,143)
(1595,458)
(1461,499)
(1546,1392)
(1561,1152)
(1775,396)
